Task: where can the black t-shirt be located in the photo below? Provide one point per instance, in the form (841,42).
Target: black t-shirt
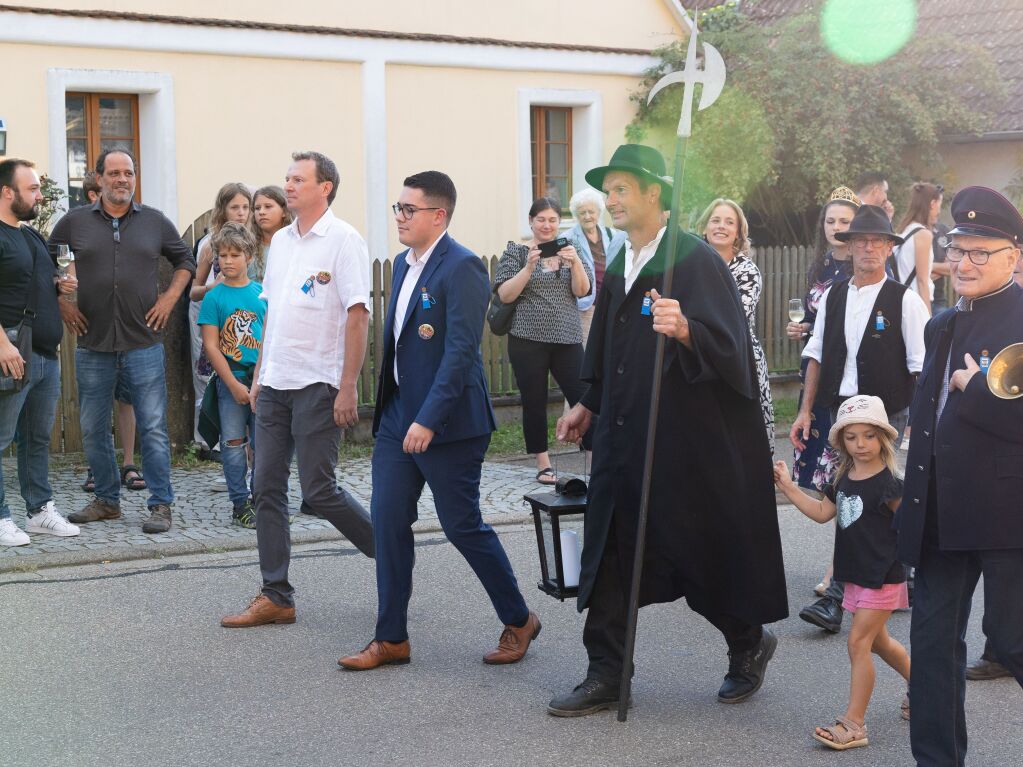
(865,539)
(18,246)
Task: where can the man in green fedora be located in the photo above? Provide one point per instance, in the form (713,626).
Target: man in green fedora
(712,533)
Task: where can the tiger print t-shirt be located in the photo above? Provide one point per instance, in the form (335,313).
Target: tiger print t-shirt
(239,313)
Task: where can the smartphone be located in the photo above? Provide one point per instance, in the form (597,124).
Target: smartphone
(549,249)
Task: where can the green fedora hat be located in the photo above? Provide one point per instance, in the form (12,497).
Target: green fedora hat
(643,161)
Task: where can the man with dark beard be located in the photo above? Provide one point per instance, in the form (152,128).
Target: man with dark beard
(30,331)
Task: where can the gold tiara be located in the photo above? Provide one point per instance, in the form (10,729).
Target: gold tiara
(845,193)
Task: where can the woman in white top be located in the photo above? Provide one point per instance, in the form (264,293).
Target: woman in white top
(915,258)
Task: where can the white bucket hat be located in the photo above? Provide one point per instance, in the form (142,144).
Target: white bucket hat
(861,408)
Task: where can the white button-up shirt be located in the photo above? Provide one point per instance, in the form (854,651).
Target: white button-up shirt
(858,306)
(634,262)
(401,306)
(311,282)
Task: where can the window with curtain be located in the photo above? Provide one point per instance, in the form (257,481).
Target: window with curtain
(95,122)
(551,145)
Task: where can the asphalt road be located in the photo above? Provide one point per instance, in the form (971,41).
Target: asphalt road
(125,664)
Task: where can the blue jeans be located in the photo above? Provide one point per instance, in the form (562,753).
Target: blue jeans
(141,371)
(238,425)
(26,417)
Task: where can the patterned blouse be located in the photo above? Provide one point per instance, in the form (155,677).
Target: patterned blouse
(546,310)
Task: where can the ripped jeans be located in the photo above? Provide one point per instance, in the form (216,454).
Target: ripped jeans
(237,431)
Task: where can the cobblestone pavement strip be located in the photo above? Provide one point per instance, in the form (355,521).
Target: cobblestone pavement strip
(202,514)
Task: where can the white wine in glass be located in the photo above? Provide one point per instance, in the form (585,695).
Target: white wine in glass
(64,259)
(796,311)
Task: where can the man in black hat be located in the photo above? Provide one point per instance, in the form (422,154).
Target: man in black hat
(960,514)
(867,339)
(713,528)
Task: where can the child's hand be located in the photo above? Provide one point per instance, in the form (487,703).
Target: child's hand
(782,478)
(240,392)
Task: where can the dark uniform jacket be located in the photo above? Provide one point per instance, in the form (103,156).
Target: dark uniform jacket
(976,446)
(712,532)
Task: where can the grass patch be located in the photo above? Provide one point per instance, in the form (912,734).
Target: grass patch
(785,409)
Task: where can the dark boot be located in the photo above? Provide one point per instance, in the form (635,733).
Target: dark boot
(825,613)
(95,510)
(746,670)
(587,698)
(159,519)
(986,668)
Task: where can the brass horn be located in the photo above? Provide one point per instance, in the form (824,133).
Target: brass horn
(1005,374)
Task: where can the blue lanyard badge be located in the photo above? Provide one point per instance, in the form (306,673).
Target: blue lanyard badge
(309,286)
(985,361)
(647,303)
(879,322)
(427,299)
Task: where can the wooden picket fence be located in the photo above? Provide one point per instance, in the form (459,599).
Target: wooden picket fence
(783,268)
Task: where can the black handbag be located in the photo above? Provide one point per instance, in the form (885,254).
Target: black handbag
(501,316)
(21,337)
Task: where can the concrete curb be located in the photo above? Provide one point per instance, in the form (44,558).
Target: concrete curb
(211,545)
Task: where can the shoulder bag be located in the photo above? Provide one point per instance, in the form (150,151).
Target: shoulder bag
(21,336)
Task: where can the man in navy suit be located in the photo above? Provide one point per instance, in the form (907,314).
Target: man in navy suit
(960,515)
(433,423)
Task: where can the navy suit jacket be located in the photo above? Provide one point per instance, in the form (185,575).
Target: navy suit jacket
(441,380)
(976,447)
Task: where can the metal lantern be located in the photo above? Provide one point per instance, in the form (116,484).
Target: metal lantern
(559,537)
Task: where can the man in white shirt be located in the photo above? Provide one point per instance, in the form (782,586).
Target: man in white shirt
(317,288)
(868,339)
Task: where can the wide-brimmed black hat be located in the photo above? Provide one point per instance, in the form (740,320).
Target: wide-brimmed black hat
(643,161)
(869,219)
(983,212)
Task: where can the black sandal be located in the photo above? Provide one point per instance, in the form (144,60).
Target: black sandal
(132,483)
(544,475)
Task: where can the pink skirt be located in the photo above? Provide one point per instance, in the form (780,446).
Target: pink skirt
(891,596)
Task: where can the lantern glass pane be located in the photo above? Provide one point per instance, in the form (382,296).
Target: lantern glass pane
(548,545)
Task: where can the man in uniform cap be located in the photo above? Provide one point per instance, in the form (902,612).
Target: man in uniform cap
(713,525)
(960,514)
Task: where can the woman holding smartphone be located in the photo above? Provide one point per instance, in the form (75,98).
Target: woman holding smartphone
(546,335)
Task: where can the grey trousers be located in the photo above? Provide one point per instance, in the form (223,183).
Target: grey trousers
(299,422)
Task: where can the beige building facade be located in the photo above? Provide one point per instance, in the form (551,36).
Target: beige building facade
(508,98)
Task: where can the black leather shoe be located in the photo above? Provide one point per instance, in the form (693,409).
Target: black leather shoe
(746,670)
(587,698)
(984,669)
(825,613)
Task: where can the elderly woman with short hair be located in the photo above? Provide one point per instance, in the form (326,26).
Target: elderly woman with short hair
(594,243)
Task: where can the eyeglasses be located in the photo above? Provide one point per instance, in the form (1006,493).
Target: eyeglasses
(862,243)
(407,211)
(977,257)
(117,229)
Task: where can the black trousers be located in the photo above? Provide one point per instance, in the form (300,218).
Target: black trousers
(606,618)
(532,361)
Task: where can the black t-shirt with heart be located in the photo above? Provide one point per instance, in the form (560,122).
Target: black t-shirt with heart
(865,538)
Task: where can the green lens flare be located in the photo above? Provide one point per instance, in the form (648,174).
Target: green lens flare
(867,31)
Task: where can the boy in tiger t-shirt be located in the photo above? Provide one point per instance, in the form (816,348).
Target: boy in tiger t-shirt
(231,319)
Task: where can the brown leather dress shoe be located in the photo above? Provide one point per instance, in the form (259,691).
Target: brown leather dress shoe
(95,510)
(378,653)
(514,642)
(260,611)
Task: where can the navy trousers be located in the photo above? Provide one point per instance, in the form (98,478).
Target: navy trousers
(453,472)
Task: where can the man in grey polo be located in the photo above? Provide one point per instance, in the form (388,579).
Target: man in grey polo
(118,319)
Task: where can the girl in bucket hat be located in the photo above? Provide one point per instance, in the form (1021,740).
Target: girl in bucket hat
(864,497)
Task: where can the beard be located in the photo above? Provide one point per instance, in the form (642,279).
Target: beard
(22,209)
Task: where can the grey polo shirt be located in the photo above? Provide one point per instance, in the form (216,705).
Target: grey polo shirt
(118,275)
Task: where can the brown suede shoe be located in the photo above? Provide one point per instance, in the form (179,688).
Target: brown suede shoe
(260,611)
(514,642)
(378,653)
(159,519)
(95,510)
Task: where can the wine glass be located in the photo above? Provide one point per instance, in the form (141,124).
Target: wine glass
(796,311)
(64,259)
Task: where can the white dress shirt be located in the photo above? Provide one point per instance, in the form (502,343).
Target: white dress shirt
(305,329)
(634,263)
(858,306)
(408,284)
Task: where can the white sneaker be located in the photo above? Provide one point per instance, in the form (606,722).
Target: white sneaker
(11,534)
(48,520)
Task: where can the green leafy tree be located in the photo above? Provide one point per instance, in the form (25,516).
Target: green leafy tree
(52,204)
(794,121)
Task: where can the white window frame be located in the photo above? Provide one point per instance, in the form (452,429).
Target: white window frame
(587,140)
(157,136)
